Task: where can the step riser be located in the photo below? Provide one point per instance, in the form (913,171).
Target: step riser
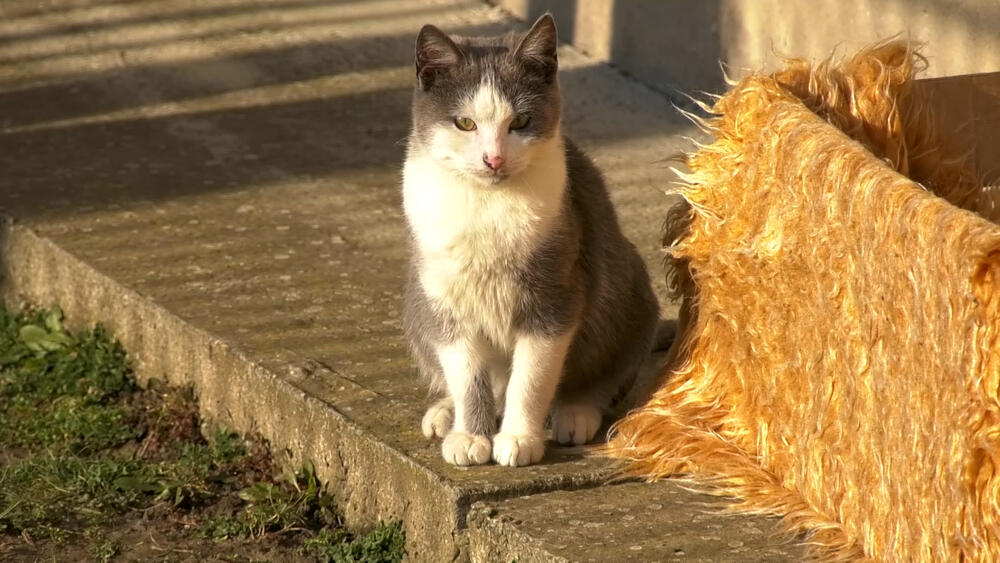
(369,479)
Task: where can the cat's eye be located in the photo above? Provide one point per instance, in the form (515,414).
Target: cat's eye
(519,122)
(465,124)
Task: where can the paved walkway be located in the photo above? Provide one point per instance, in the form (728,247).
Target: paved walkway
(217,181)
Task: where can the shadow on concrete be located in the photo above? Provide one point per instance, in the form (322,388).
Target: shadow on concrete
(682,58)
(177,16)
(58,159)
(71,142)
(687,53)
(23,10)
(118,165)
(175,29)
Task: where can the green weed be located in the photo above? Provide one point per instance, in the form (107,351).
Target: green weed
(296,502)
(80,445)
(384,544)
(40,494)
(106,550)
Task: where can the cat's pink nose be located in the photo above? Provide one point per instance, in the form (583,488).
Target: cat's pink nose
(494,162)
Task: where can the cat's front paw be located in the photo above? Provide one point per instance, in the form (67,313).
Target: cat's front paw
(575,423)
(515,450)
(438,419)
(461,448)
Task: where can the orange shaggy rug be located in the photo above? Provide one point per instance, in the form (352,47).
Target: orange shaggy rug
(839,359)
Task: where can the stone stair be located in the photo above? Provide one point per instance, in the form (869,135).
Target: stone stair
(218,182)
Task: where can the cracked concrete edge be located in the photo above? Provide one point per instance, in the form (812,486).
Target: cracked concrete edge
(626,521)
(496,539)
(240,394)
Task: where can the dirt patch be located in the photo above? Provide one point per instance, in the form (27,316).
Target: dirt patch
(94,468)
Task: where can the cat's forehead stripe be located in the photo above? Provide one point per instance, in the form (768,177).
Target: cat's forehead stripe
(488,104)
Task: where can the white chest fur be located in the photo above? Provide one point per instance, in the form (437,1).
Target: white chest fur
(472,239)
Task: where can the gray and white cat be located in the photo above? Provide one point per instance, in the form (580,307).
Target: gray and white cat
(524,300)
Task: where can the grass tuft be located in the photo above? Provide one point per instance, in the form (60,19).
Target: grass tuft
(386,543)
(82,448)
(106,550)
(297,501)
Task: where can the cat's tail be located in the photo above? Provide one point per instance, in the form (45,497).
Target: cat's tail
(666,332)
(647,378)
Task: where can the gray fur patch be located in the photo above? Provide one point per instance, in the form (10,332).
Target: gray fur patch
(449,71)
(480,412)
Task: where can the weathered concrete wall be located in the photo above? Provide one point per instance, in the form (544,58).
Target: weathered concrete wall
(960,36)
(669,45)
(674,45)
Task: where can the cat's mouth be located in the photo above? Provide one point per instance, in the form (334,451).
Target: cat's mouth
(491,177)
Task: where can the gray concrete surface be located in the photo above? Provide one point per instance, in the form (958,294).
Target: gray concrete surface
(624,522)
(676,45)
(217,181)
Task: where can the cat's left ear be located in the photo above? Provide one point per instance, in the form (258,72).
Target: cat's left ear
(435,53)
(538,47)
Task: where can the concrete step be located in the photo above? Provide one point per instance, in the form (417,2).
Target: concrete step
(624,522)
(217,181)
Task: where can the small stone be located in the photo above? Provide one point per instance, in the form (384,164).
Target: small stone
(635,548)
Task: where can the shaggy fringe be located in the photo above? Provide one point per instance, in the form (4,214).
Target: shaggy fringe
(871,98)
(839,357)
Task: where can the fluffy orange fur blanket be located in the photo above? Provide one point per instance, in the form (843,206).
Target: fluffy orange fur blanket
(839,360)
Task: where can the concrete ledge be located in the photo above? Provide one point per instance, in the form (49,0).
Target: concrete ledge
(218,183)
(242,394)
(623,522)
(373,479)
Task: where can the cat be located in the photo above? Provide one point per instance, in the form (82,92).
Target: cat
(524,302)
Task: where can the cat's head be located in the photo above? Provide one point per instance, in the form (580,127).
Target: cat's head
(484,106)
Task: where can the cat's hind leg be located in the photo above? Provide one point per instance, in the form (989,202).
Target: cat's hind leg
(499,377)
(438,419)
(576,422)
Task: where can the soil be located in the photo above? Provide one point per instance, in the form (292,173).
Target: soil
(93,468)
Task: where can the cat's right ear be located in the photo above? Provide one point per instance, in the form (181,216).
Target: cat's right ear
(435,53)
(538,47)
